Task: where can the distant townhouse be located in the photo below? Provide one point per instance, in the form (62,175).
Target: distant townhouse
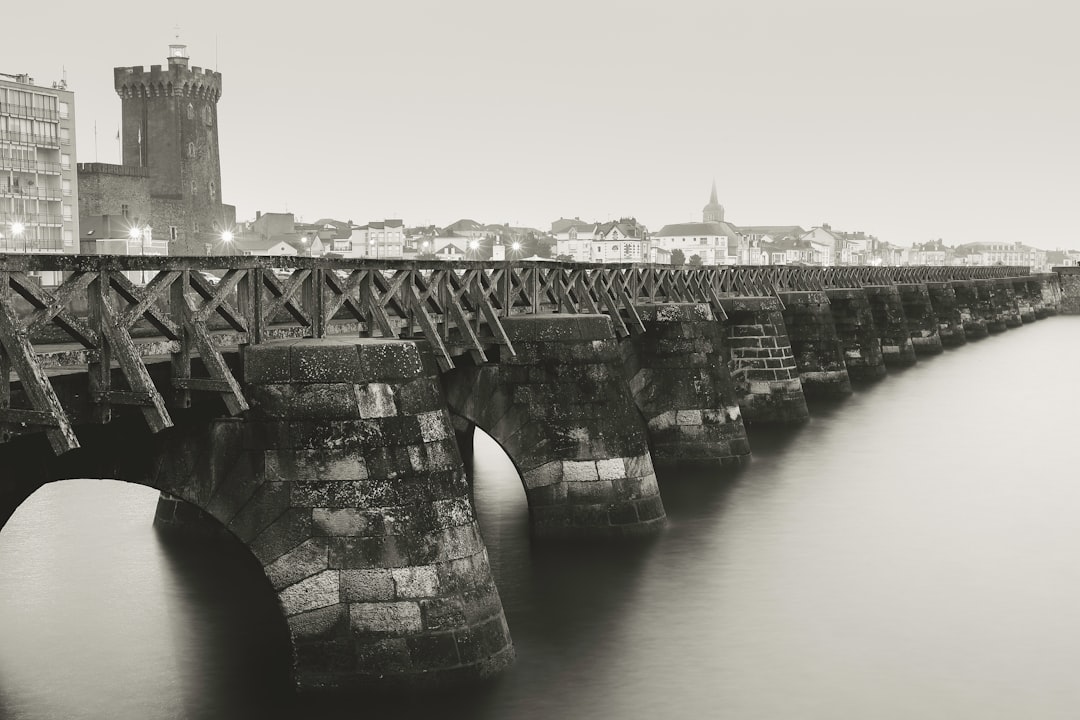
(620,241)
(990,253)
(380,240)
(933,252)
(574,238)
(756,241)
(829,246)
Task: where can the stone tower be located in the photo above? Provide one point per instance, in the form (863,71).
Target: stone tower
(169,127)
(714,211)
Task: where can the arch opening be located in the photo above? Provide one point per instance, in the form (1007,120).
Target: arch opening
(138,624)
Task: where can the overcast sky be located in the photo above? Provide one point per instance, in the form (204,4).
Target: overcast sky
(913,120)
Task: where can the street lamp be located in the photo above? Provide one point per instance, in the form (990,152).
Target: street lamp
(474,245)
(17,229)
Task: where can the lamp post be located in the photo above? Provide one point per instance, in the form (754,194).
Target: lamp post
(474,246)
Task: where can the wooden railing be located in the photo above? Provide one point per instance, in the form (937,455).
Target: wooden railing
(103,315)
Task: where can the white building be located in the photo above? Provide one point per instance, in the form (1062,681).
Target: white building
(379,240)
(714,242)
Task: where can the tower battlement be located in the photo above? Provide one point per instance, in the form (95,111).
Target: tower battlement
(176,79)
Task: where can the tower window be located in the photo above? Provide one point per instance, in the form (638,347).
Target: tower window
(190,112)
(213,191)
(191,149)
(207,115)
(172,232)
(124,211)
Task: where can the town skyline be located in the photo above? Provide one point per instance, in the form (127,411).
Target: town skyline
(909,124)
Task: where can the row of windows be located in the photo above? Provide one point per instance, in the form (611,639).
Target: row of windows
(30,99)
(26,126)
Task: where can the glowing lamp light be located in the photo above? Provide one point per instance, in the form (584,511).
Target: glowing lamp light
(226,236)
(475,244)
(134,233)
(17,228)
(516,246)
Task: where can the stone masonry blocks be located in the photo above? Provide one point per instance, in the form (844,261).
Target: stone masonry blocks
(815,343)
(921,320)
(854,321)
(562,410)
(376,554)
(680,382)
(762,363)
(891,324)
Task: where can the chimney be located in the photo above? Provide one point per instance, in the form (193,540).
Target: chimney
(258,214)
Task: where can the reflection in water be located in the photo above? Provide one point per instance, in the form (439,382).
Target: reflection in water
(912,552)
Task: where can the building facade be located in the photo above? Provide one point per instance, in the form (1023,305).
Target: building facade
(39,193)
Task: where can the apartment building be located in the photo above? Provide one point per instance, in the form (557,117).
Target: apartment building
(39,197)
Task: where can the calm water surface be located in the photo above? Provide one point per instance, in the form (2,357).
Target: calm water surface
(913,552)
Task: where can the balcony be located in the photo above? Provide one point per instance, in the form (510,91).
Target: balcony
(29,139)
(29,112)
(35,192)
(23,165)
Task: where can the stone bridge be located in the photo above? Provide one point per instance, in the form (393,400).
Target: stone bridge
(315,409)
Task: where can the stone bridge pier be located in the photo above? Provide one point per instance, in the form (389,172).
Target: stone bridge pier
(990,307)
(1025,301)
(921,320)
(970,309)
(679,378)
(361,511)
(562,410)
(1005,304)
(946,308)
(891,324)
(815,343)
(854,321)
(762,362)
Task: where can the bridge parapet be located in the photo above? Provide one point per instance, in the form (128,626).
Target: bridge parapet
(119,310)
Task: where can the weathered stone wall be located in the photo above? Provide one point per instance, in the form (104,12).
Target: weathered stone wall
(1070,289)
(891,325)
(1051,291)
(1025,303)
(921,321)
(359,510)
(562,410)
(678,374)
(854,322)
(1005,305)
(947,311)
(971,310)
(819,354)
(990,306)
(762,363)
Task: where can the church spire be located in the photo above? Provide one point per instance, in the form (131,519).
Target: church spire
(714,211)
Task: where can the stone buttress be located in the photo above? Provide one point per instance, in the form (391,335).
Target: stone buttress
(1025,301)
(561,408)
(854,321)
(990,306)
(947,311)
(1005,305)
(891,325)
(970,308)
(815,343)
(762,363)
(680,382)
(1053,288)
(364,522)
(921,320)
